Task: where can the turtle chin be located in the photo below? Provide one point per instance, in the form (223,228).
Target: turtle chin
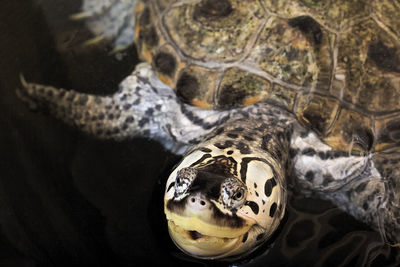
(203,246)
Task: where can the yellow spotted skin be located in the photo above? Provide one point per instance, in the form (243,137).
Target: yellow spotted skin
(335,64)
(241,156)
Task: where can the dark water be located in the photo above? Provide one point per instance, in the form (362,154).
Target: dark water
(67,199)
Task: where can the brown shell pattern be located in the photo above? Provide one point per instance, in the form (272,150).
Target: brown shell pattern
(335,64)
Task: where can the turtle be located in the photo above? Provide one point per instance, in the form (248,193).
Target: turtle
(252,94)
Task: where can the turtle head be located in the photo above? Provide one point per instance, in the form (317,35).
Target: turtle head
(214,213)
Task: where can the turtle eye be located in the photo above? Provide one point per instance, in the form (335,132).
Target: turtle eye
(233,193)
(239,195)
(183,181)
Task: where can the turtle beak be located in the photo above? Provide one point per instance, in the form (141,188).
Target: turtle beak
(196,232)
(199,245)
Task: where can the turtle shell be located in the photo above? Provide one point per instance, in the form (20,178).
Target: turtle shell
(335,64)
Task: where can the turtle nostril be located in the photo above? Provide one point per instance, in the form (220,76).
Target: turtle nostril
(198,202)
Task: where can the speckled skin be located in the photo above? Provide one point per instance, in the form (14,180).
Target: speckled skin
(365,186)
(143,106)
(240,149)
(358,171)
(109,19)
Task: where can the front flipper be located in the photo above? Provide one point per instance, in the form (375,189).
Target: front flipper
(366,186)
(143,106)
(109,20)
(388,164)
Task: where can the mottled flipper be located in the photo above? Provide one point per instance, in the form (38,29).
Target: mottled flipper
(366,186)
(111,20)
(388,164)
(143,106)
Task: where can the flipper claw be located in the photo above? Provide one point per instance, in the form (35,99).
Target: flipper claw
(23,93)
(22,80)
(118,49)
(95,40)
(80,16)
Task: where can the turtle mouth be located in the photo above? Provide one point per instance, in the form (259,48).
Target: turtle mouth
(200,245)
(195,235)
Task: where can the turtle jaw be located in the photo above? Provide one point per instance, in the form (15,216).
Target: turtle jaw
(199,235)
(202,246)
